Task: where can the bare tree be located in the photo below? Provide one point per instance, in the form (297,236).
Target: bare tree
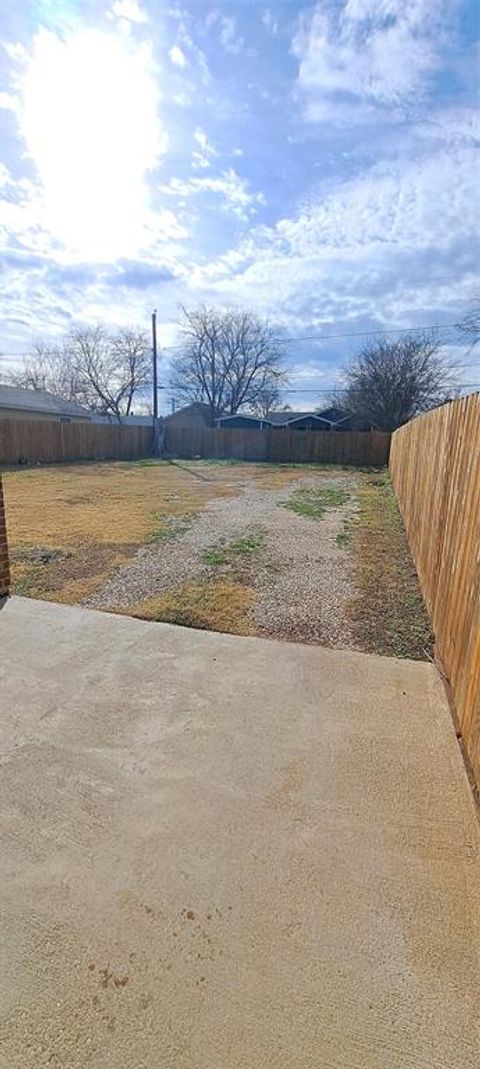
(469,326)
(268,399)
(100,369)
(133,354)
(110,367)
(229,359)
(49,368)
(389,382)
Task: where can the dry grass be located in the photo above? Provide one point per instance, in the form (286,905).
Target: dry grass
(387,614)
(110,503)
(98,514)
(212,606)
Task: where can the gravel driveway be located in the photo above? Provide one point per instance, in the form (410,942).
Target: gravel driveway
(298,571)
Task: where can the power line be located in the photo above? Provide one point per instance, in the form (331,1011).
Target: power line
(370,333)
(345,389)
(308,337)
(352,334)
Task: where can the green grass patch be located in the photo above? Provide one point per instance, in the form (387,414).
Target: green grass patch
(344,538)
(314,502)
(230,553)
(170,528)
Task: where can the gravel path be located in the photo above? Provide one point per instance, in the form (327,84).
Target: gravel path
(299,573)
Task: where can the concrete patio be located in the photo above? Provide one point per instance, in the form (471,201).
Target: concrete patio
(230,853)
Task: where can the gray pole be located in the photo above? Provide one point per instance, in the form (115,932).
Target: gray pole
(156,428)
(154,357)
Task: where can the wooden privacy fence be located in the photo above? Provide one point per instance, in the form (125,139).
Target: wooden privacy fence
(280,445)
(435,468)
(24,441)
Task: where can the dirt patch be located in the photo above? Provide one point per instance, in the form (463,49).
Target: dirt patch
(387,614)
(66,576)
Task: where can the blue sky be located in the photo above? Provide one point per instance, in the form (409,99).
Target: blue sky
(317,163)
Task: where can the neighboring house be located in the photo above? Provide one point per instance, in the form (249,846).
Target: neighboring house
(243,419)
(330,419)
(340,420)
(17,403)
(195,415)
(301,421)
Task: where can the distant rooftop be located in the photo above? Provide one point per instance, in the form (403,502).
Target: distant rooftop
(39,401)
(287,416)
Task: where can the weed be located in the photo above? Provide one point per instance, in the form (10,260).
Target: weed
(274,567)
(228,554)
(23,584)
(344,538)
(314,502)
(170,528)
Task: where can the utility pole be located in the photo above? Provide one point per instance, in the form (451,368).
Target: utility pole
(156,428)
(154,357)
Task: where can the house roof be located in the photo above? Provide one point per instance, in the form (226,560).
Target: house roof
(198,407)
(333,414)
(243,415)
(279,418)
(276,419)
(39,401)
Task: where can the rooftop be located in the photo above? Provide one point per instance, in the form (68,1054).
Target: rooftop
(39,401)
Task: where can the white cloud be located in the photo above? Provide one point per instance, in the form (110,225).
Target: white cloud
(306,372)
(130,10)
(375,52)
(201,138)
(227,31)
(229,187)
(270,22)
(93,140)
(203,156)
(177,57)
(381,245)
(188,45)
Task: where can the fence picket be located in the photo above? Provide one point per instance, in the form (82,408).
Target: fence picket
(49,441)
(435,469)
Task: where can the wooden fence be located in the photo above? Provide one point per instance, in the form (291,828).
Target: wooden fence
(280,445)
(24,441)
(435,468)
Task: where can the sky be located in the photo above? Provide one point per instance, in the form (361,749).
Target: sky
(316,163)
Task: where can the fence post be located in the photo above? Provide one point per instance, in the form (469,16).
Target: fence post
(4,565)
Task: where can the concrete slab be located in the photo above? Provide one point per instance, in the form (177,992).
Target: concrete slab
(228,853)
